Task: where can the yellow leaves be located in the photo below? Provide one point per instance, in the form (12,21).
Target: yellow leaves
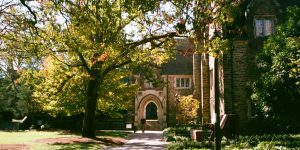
(110,93)
(159,56)
(187,109)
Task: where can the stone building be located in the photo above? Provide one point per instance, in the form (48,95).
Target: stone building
(238,67)
(194,74)
(158,104)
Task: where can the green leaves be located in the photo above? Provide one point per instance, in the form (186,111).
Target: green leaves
(72,39)
(217,46)
(277,90)
(61,88)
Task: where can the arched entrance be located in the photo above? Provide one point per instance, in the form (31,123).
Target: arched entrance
(151,111)
(150,108)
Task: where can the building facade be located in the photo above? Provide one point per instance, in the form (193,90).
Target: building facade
(158,104)
(238,68)
(194,73)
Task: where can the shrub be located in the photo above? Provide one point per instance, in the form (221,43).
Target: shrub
(181,138)
(187,109)
(168,134)
(189,145)
(179,132)
(183,131)
(268,141)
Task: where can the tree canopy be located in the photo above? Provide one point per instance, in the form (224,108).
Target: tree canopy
(85,50)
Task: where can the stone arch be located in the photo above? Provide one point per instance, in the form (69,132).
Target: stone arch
(148,98)
(153,124)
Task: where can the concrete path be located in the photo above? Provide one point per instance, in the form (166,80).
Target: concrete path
(150,140)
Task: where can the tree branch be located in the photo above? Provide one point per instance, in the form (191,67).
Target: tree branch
(30,10)
(63,84)
(84,63)
(112,67)
(144,41)
(69,65)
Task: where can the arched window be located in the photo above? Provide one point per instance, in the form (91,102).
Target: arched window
(151,111)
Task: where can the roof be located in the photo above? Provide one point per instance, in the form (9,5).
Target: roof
(183,62)
(282,4)
(285,3)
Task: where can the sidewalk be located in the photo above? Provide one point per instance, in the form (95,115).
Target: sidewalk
(150,140)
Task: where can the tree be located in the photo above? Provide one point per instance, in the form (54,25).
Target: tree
(16,89)
(62,90)
(94,40)
(187,109)
(89,46)
(15,66)
(276,92)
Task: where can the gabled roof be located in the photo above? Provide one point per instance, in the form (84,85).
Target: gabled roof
(281,4)
(285,3)
(183,62)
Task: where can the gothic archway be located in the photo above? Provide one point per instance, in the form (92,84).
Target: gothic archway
(150,108)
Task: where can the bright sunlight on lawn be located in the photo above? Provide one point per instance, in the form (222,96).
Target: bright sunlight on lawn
(58,140)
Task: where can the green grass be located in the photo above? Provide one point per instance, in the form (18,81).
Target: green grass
(26,137)
(75,146)
(29,138)
(113,133)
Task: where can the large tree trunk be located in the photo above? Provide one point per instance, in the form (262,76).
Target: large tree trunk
(88,129)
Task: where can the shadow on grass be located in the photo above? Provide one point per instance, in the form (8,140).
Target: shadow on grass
(118,133)
(111,138)
(95,143)
(111,133)
(110,141)
(72,146)
(11,131)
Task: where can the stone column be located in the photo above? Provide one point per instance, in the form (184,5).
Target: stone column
(197,80)
(205,89)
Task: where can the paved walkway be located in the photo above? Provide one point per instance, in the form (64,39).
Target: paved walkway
(150,140)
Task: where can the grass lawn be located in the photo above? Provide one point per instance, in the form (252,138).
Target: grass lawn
(43,140)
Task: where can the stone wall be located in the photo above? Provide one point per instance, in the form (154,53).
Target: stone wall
(236,78)
(239,66)
(205,89)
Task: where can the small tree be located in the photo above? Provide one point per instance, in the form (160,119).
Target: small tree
(187,109)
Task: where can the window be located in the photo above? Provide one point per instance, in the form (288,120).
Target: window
(264,27)
(183,83)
